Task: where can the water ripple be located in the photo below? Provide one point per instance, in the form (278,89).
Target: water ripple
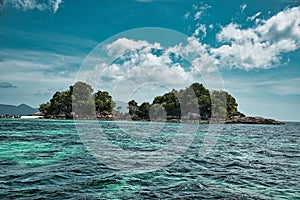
(45,159)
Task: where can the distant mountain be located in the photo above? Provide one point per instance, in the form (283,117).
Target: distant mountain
(21,109)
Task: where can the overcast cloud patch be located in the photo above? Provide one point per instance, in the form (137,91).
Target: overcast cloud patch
(7,85)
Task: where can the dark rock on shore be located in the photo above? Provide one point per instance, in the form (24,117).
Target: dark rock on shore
(251,120)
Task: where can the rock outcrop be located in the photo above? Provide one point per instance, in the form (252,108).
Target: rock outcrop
(251,120)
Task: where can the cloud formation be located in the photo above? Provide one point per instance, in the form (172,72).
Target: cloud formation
(52,5)
(142,53)
(121,45)
(200,11)
(243,7)
(6,85)
(140,61)
(253,17)
(261,46)
(197,14)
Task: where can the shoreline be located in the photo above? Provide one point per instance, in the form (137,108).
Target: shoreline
(232,120)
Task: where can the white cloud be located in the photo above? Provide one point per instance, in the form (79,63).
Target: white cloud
(37,67)
(35,71)
(52,5)
(200,10)
(27,4)
(243,7)
(284,25)
(239,47)
(261,46)
(253,17)
(120,46)
(200,31)
(139,62)
(55,4)
(124,82)
(198,15)
(187,15)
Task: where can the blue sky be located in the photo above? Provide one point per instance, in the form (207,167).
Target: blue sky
(254,45)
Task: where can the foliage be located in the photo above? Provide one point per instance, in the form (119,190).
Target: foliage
(194,100)
(82,100)
(78,100)
(143,110)
(104,103)
(133,107)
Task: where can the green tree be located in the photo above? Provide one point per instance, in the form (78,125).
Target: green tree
(197,99)
(133,107)
(231,105)
(104,103)
(204,101)
(45,108)
(218,104)
(172,105)
(157,112)
(82,100)
(143,110)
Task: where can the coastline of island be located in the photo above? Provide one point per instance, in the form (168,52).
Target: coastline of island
(80,103)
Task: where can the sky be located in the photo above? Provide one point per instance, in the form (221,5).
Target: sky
(249,48)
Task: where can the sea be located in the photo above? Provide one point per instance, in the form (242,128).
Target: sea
(66,159)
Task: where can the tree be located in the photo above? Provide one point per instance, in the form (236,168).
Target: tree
(157,112)
(143,110)
(231,105)
(104,103)
(204,101)
(171,104)
(197,99)
(45,108)
(80,100)
(133,107)
(83,100)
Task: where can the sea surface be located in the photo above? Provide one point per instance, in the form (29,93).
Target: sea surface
(49,159)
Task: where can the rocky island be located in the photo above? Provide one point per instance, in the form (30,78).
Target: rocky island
(251,120)
(192,104)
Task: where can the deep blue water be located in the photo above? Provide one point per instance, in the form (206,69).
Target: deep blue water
(46,159)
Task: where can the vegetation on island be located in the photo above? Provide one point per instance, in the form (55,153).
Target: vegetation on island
(193,102)
(79,97)
(185,102)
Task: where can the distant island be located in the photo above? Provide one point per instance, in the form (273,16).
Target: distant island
(192,104)
(11,110)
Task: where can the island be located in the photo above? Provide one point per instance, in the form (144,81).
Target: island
(194,103)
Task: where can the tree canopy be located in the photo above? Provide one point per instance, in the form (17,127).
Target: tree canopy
(195,100)
(78,100)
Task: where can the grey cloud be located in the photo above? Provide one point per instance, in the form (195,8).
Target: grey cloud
(6,85)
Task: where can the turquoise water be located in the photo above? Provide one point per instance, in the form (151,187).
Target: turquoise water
(46,159)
